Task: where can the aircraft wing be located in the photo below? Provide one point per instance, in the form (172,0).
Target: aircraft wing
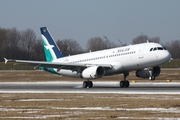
(58,65)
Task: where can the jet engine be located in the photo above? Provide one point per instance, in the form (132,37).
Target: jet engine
(93,72)
(147,72)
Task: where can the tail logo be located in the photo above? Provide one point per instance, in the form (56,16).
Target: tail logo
(51,49)
(50,55)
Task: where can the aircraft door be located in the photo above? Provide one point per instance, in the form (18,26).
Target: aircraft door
(141,52)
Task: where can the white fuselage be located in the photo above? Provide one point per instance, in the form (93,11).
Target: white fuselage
(121,59)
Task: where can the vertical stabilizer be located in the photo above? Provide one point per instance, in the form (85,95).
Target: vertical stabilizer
(51,49)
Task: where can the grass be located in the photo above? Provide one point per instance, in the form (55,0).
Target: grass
(14,66)
(172,64)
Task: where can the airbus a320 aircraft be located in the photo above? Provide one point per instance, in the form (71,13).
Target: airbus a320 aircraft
(144,58)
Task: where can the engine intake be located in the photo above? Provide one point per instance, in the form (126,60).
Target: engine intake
(144,73)
(93,72)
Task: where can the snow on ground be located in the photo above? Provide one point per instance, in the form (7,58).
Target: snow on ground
(30,100)
(172,110)
(163,110)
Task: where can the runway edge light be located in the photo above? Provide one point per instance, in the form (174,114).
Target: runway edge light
(168,80)
(133,81)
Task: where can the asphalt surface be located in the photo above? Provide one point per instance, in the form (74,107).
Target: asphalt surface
(98,87)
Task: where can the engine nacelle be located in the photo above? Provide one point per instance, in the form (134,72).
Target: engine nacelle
(144,73)
(93,72)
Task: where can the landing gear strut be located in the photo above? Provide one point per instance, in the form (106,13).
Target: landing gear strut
(151,77)
(87,84)
(124,83)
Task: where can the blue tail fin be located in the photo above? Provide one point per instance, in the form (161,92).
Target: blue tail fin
(51,50)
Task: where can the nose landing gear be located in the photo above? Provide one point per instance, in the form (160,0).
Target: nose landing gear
(151,77)
(124,83)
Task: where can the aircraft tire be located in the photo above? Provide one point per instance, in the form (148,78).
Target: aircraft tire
(85,84)
(126,83)
(152,77)
(90,84)
(122,84)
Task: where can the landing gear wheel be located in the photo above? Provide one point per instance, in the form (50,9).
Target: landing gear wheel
(152,77)
(85,84)
(90,84)
(124,84)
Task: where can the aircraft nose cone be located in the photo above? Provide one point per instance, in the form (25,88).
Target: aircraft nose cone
(167,55)
(164,56)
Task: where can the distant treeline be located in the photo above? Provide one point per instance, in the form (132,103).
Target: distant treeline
(25,45)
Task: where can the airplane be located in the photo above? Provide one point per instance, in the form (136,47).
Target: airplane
(143,58)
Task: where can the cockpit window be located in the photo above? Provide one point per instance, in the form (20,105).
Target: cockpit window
(160,48)
(157,48)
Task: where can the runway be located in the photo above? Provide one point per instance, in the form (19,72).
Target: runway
(99,87)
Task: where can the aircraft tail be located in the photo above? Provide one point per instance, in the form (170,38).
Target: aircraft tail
(51,49)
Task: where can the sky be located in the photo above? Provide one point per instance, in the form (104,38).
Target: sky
(83,19)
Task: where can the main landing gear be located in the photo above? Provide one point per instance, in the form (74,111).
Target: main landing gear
(87,84)
(124,83)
